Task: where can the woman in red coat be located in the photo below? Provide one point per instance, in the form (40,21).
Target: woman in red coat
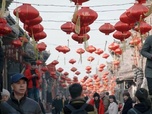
(97,103)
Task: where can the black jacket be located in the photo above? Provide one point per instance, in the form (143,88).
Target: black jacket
(140,109)
(127,106)
(24,106)
(77,103)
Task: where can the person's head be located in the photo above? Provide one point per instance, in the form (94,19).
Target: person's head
(57,97)
(126,95)
(141,94)
(19,84)
(33,65)
(5,95)
(112,98)
(102,94)
(107,93)
(75,90)
(96,96)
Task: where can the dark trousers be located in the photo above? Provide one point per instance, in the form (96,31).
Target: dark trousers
(149,83)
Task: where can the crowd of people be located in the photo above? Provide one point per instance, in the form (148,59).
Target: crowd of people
(25,99)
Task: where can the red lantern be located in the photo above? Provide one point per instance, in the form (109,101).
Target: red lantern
(141,1)
(79,2)
(135,41)
(26,12)
(86,16)
(99,51)
(137,11)
(39,36)
(65,49)
(113,46)
(4,29)
(67,27)
(41,46)
(66,73)
(88,71)
(143,27)
(102,65)
(120,26)
(121,36)
(73,69)
(107,28)
(100,69)
(55,62)
(90,58)
(125,19)
(72,61)
(39,62)
(77,73)
(80,38)
(118,51)
(32,22)
(88,68)
(60,69)
(91,49)
(105,55)
(34,29)
(17,43)
(80,51)
(44,69)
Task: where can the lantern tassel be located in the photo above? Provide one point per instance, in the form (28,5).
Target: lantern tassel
(35,50)
(3,8)
(149,12)
(74,18)
(85,42)
(78,26)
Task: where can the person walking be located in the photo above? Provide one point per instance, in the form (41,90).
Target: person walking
(57,105)
(143,104)
(146,51)
(113,107)
(18,103)
(77,101)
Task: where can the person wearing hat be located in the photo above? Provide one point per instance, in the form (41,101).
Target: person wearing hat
(97,103)
(18,103)
(33,76)
(5,95)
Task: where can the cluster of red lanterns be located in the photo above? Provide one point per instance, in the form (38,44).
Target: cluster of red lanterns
(31,20)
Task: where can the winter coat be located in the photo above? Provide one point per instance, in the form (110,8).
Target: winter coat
(57,104)
(140,109)
(24,106)
(77,103)
(29,76)
(106,103)
(113,108)
(127,105)
(101,106)
(146,51)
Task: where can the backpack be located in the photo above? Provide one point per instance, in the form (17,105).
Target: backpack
(81,110)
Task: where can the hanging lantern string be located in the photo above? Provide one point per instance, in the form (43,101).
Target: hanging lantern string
(105,45)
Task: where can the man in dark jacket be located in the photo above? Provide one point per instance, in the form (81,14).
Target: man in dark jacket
(57,105)
(18,102)
(77,100)
(146,51)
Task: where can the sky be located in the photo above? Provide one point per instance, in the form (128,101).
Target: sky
(57,12)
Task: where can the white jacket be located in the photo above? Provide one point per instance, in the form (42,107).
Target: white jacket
(112,109)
